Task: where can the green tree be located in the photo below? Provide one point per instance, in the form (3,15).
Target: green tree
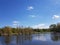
(53,27)
(58,27)
(7,30)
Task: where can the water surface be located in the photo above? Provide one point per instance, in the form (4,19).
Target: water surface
(31,39)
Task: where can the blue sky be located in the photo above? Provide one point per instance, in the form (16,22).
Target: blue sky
(33,13)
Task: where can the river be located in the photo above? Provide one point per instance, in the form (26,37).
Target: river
(46,38)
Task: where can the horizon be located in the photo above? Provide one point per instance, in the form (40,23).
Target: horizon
(29,13)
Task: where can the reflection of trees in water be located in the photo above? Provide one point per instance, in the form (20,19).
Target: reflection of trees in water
(55,36)
(20,39)
(7,39)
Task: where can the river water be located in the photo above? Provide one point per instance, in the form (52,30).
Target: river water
(31,39)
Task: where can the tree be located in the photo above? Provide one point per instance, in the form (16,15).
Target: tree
(53,27)
(7,30)
(58,27)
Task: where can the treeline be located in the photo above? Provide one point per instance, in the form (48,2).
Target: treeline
(55,27)
(9,30)
(18,30)
(41,30)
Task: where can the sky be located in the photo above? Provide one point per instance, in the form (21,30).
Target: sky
(29,13)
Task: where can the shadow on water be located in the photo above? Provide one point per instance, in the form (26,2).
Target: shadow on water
(55,36)
(22,39)
(16,39)
(5,40)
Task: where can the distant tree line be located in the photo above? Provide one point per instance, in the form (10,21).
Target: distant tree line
(41,30)
(18,30)
(9,30)
(55,27)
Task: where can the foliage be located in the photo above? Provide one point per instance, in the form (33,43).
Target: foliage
(7,30)
(55,27)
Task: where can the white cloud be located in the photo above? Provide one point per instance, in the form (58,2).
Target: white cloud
(40,26)
(33,16)
(30,8)
(15,23)
(55,17)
